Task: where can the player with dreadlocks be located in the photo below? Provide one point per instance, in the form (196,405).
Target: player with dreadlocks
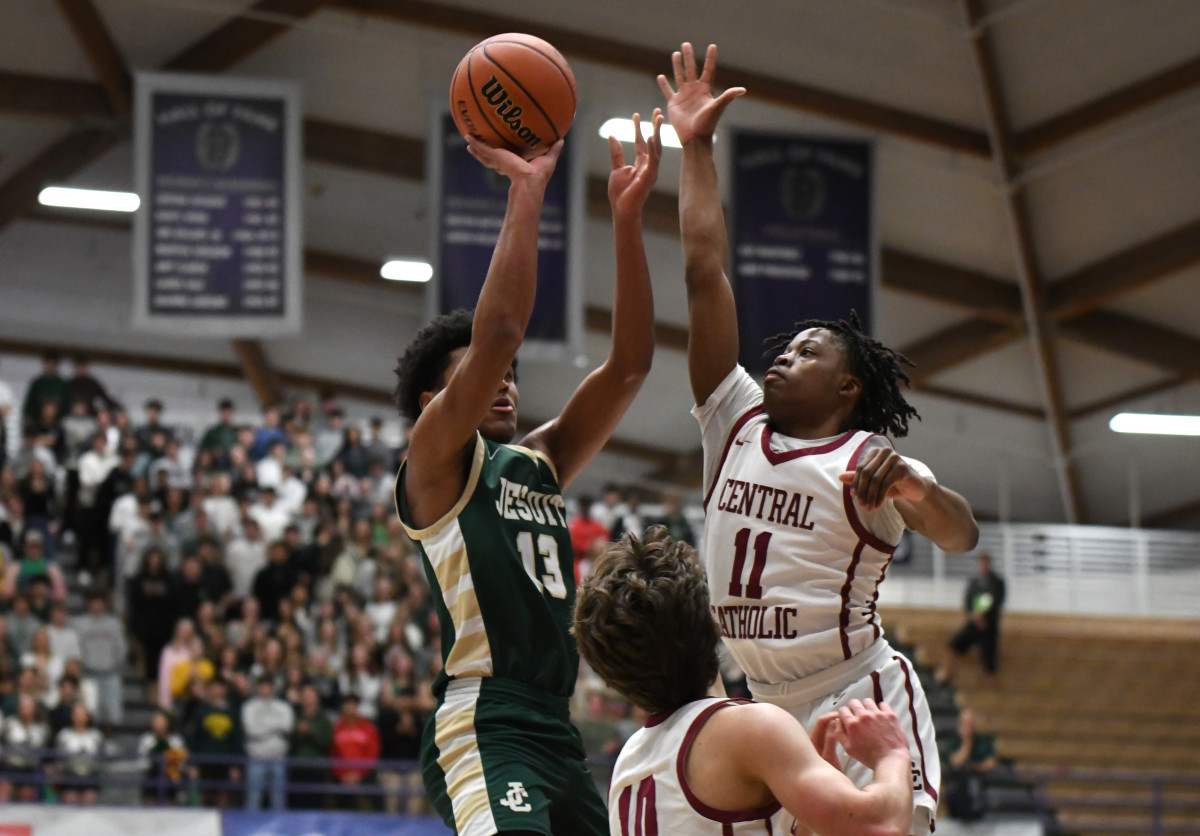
(805,497)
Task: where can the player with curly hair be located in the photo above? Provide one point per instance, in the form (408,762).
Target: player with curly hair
(805,497)
(714,766)
(500,755)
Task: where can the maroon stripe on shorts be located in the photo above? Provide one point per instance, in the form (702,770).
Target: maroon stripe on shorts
(623,809)
(912,713)
(878,687)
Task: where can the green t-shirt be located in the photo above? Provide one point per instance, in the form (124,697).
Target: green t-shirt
(502,572)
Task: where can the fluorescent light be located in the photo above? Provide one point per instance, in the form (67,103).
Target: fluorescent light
(407,271)
(89,199)
(622,129)
(1137,422)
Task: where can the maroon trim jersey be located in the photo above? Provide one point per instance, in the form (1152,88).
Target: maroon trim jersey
(794,564)
(649,794)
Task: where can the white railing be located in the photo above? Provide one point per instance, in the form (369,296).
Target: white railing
(1062,568)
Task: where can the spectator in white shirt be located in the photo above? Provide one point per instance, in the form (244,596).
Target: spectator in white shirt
(80,747)
(222,509)
(271,516)
(64,641)
(245,556)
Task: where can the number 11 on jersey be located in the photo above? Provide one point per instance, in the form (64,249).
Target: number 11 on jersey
(740,544)
(547,547)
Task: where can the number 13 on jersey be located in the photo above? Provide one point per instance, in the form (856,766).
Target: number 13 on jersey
(547,548)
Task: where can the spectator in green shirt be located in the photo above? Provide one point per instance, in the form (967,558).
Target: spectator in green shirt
(312,737)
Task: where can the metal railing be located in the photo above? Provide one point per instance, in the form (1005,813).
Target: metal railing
(1157,804)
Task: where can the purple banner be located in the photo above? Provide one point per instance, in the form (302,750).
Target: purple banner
(217,243)
(473,201)
(803,234)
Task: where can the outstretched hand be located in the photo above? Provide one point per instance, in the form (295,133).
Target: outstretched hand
(537,170)
(691,106)
(630,185)
(881,475)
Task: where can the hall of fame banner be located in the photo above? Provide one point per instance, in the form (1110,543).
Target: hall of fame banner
(468,205)
(217,239)
(803,237)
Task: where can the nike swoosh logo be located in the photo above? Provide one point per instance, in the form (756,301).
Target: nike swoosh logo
(738,442)
(492,454)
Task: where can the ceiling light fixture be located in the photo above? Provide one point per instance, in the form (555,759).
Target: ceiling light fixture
(622,129)
(70,198)
(1138,422)
(407,271)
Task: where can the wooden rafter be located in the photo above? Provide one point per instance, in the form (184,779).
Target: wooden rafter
(1139,340)
(1108,108)
(650,62)
(972,399)
(102,53)
(241,36)
(59,98)
(364,149)
(58,162)
(956,344)
(1029,275)
(984,296)
(258,371)
(1112,401)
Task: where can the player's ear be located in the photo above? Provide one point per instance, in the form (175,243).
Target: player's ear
(851,386)
(424,398)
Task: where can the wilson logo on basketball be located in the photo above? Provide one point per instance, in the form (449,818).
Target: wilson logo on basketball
(508,111)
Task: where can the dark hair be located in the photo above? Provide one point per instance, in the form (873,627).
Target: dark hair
(881,406)
(427,356)
(642,621)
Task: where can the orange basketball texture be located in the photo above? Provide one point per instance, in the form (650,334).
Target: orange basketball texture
(514,91)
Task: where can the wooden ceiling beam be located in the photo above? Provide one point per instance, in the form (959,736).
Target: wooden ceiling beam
(1137,339)
(257,369)
(241,36)
(56,163)
(364,149)
(102,53)
(1108,108)
(1125,272)
(650,62)
(956,344)
(1113,401)
(1029,277)
(973,399)
(60,98)
(980,294)
(1176,517)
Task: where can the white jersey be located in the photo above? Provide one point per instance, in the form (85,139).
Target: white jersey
(649,793)
(793,563)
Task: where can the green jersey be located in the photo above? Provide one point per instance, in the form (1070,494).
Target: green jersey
(503,573)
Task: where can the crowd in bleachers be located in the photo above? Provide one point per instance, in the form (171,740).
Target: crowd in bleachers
(257,579)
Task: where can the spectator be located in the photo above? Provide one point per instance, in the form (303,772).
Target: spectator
(379,450)
(40,503)
(64,641)
(215,739)
(328,441)
(169,468)
(84,387)
(673,519)
(610,508)
(267,721)
(152,436)
(23,574)
(267,434)
(970,757)
(274,582)
(586,531)
(45,664)
(271,516)
(311,737)
(164,755)
(47,387)
(153,608)
(47,432)
(22,625)
(983,602)
(78,427)
(95,466)
(292,492)
(269,469)
(96,553)
(65,700)
(244,556)
(382,608)
(353,455)
(404,703)
(221,436)
(628,519)
(6,404)
(356,745)
(217,582)
(221,507)
(102,639)
(79,748)
(359,678)
(22,736)
(154,535)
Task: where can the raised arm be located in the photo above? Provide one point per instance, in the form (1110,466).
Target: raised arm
(769,748)
(712,316)
(449,418)
(596,407)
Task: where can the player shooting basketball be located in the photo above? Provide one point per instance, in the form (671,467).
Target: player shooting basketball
(500,754)
(806,499)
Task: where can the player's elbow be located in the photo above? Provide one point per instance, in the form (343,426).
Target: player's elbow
(964,538)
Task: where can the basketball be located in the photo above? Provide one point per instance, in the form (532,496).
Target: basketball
(514,91)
